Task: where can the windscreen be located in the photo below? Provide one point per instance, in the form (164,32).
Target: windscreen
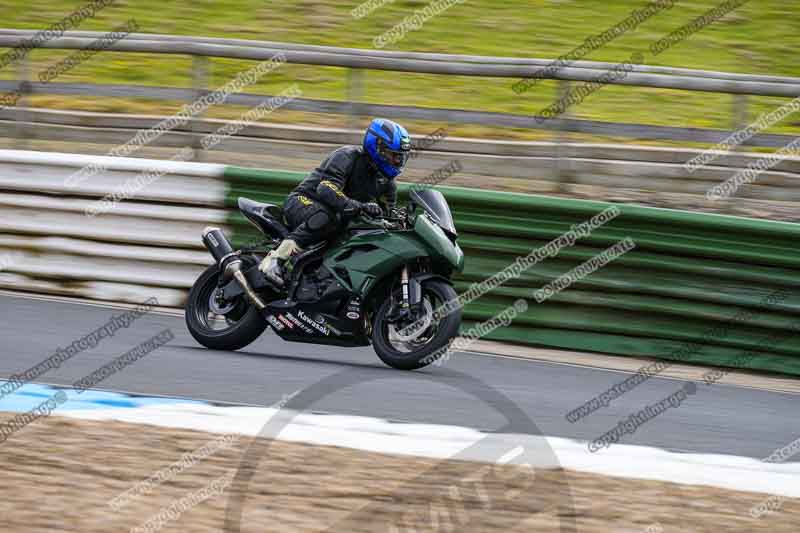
(435,204)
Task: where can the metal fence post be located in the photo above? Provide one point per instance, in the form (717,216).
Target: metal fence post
(739,120)
(740,114)
(561,137)
(20,116)
(355,95)
(200,79)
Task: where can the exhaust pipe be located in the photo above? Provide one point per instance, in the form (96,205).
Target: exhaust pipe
(229,262)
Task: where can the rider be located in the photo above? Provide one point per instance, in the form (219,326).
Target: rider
(348,182)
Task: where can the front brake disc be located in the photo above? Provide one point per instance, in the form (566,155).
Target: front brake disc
(426,320)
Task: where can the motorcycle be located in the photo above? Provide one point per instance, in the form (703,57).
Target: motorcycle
(382,282)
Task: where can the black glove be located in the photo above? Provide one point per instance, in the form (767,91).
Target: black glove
(372,209)
(352,208)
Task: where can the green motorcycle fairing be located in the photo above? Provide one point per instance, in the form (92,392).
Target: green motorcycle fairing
(375,253)
(442,248)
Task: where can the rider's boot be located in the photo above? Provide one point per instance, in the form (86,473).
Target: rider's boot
(272,265)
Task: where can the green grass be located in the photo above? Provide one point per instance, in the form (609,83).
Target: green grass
(758,37)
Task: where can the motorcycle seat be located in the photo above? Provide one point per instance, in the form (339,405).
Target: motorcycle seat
(266,217)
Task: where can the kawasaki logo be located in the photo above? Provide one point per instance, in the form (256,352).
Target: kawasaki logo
(298,323)
(314,324)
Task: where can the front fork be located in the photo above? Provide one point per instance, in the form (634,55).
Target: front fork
(411,295)
(404,284)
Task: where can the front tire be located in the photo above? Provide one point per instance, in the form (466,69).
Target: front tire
(240,326)
(433,341)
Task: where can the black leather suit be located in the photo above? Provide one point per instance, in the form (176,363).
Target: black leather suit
(324,200)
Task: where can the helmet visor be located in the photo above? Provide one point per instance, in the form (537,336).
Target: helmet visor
(396,158)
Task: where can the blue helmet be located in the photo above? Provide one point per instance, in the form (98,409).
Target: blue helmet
(387,144)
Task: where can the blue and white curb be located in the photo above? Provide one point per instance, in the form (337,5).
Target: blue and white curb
(421,440)
(31,395)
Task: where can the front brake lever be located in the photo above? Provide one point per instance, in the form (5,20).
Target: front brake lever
(379,222)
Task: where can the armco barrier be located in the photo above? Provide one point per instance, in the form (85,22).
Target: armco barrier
(146,246)
(688,279)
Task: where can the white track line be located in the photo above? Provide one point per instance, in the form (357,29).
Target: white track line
(448,442)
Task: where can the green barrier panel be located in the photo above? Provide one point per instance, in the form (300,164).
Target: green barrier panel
(638,347)
(666,307)
(726,269)
(692,278)
(620,280)
(580,318)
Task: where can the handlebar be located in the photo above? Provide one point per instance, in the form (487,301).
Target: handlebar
(385,221)
(374,221)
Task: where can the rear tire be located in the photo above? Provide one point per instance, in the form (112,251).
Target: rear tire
(446,330)
(247,326)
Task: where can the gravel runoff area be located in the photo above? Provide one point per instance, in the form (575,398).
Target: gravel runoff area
(62,474)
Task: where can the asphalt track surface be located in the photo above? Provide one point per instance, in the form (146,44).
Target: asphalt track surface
(718,419)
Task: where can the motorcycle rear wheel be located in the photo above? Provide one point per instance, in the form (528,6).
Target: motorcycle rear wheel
(239,326)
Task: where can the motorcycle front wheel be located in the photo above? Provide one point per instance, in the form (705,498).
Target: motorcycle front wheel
(405,348)
(221,326)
